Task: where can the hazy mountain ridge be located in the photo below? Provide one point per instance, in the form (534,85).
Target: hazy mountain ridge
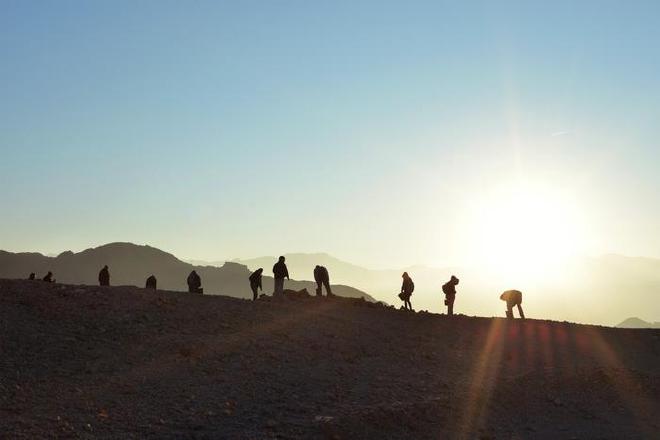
(638,323)
(131,264)
(589,289)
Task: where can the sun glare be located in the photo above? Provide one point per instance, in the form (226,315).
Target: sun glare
(524,233)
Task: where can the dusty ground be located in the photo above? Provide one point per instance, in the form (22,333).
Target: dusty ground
(122,362)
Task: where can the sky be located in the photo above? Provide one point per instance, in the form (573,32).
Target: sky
(384,133)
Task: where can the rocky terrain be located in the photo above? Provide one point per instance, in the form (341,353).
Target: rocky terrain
(123,362)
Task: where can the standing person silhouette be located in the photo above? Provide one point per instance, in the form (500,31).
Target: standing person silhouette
(104,276)
(322,279)
(449,289)
(407,288)
(151,283)
(255,283)
(513,298)
(280,272)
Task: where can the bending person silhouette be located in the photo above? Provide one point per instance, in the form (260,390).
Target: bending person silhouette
(449,289)
(322,278)
(255,283)
(513,298)
(407,288)
(151,283)
(280,272)
(32,276)
(194,283)
(104,276)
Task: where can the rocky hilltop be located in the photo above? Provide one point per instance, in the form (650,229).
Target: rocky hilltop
(123,362)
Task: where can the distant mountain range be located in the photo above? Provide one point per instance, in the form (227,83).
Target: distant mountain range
(588,289)
(638,323)
(131,264)
(598,290)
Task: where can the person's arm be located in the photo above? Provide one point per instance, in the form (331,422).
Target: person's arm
(286,269)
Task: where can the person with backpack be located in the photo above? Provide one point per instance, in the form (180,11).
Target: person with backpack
(449,289)
(104,276)
(255,283)
(407,288)
(513,298)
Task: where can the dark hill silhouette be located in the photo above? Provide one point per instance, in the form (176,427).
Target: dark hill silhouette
(131,264)
(125,362)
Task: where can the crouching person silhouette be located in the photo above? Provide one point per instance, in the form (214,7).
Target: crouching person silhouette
(194,283)
(48,277)
(513,298)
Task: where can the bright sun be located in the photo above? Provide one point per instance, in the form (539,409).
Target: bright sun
(524,232)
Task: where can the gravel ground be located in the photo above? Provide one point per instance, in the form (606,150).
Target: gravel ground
(123,362)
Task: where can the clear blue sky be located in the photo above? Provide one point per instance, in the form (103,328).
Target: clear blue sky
(364,129)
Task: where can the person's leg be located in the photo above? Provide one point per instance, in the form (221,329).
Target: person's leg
(254,292)
(319,292)
(520,311)
(328,291)
(509,310)
(279,286)
(450,306)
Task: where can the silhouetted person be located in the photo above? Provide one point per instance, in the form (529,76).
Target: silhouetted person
(194,283)
(322,278)
(449,289)
(48,277)
(280,272)
(104,276)
(513,298)
(255,283)
(32,276)
(407,288)
(151,283)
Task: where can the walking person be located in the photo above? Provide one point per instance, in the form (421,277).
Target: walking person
(407,288)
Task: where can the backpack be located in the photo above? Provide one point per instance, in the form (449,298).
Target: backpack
(445,289)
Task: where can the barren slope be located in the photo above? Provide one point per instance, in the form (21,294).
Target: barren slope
(88,362)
